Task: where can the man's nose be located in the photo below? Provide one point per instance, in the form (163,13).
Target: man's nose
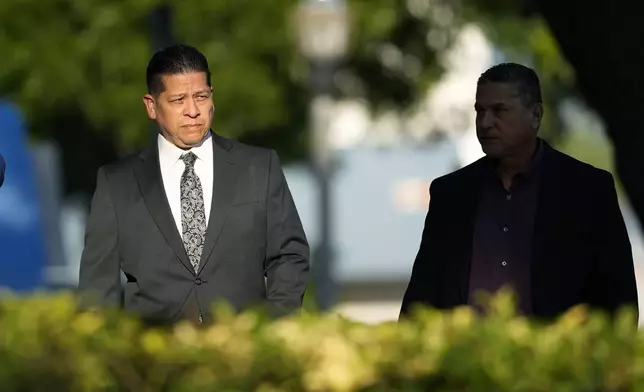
(483,119)
(192,109)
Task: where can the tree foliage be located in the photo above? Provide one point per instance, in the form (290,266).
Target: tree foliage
(68,56)
(88,58)
(77,68)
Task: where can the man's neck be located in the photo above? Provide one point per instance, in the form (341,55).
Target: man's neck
(516,163)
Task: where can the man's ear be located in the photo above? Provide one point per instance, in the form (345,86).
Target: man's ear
(150,106)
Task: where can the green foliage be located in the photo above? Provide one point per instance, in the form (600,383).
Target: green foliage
(82,64)
(77,68)
(88,56)
(261,81)
(46,344)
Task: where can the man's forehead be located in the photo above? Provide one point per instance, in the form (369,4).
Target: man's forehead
(185,81)
(497,91)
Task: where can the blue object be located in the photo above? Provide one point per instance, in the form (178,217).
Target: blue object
(23,255)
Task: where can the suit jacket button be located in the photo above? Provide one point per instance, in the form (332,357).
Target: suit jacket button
(198,281)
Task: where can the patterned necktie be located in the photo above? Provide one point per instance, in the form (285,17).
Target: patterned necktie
(193,213)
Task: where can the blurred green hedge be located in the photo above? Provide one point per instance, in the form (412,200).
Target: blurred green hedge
(47,344)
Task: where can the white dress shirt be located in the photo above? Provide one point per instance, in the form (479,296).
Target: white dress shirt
(172,168)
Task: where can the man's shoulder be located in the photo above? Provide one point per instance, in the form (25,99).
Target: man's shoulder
(124,164)
(246,153)
(249,150)
(576,170)
(459,177)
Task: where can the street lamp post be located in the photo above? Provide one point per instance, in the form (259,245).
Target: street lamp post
(161,26)
(323,37)
(160,22)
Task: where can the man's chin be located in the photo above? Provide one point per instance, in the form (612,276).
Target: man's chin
(189,141)
(492,151)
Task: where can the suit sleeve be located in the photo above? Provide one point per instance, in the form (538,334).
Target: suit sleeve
(99,278)
(287,250)
(421,289)
(613,275)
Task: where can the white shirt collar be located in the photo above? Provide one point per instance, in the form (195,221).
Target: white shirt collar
(172,153)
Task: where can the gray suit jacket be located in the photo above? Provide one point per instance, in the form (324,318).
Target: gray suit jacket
(254,232)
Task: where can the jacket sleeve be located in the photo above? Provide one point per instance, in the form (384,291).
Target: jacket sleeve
(287,251)
(613,284)
(422,289)
(99,278)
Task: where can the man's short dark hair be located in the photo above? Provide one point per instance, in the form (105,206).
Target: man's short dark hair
(525,78)
(173,60)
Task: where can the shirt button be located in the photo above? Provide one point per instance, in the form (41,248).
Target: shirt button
(509,197)
(504,263)
(505,229)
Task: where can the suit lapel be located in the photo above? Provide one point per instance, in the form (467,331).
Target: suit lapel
(225,177)
(148,175)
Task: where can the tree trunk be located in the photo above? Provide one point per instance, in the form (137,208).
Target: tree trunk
(603,42)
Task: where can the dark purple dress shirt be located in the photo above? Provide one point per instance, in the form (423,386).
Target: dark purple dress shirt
(503,231)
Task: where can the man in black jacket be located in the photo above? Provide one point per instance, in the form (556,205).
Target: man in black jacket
(525,216)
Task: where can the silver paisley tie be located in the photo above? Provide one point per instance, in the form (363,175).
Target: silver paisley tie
(193,213)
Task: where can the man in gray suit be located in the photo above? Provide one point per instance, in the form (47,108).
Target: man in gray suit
(195,218)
